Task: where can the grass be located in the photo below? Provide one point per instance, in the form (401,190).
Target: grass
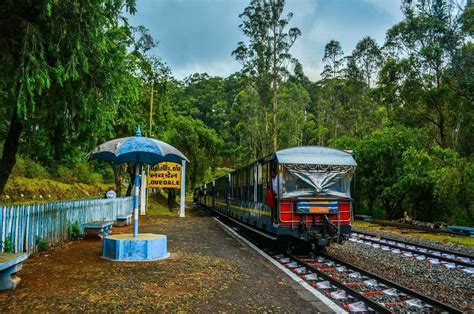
(159,207)
(445,238)
(22,189)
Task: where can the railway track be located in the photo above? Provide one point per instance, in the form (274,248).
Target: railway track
(419,252)
(351,288)
(356,290)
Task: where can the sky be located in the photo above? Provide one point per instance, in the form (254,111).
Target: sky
(200,35)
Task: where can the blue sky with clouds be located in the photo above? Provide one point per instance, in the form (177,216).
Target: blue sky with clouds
(200,35)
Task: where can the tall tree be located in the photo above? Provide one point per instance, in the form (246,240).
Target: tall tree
(426,42)
(267,56)
(331,83)
(60,58)
(334,59)
(368,58)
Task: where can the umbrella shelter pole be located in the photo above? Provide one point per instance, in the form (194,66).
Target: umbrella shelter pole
(135,201)
(183,188)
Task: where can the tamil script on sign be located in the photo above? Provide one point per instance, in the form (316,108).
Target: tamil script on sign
(165,175)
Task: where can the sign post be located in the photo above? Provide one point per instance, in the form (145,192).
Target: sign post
(143,194)
(169,175)
(183,189)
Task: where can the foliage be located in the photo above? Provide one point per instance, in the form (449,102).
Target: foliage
(62,86)
(199,145)
(8,246)
(74,231)
(30,169)
(380,165)
(266,58)
(41,244)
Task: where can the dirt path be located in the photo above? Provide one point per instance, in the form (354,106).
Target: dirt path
(208,271)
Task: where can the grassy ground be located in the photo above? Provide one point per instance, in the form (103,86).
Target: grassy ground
(158,205)
(420,234)
(21,190)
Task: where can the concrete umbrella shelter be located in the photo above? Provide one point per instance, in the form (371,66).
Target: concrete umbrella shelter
(139,150)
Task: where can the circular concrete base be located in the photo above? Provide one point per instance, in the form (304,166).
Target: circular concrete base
(126,248)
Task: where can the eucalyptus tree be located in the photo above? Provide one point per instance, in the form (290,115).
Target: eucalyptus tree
(329,106)
(63,60)
(425,43)
(266,57)
(334,59)
(156,75)
(367,56)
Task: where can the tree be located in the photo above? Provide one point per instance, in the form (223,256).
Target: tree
(329,106)
(380,164)
(334,58)
(426,42)
(368,58)
(200,145)
(292,116)
(267,56)
(63,60)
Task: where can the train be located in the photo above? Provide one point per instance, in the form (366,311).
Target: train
(299,196)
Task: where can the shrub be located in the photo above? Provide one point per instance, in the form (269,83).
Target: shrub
(42,244)
(85,174)
(74,231)
(108,175)
(30,169)
(65,174)
(8,246)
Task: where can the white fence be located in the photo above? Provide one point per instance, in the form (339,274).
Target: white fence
(23,225)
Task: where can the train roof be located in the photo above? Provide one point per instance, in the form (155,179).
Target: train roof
(315,155)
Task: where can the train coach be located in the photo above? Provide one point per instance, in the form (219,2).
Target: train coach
(298,196)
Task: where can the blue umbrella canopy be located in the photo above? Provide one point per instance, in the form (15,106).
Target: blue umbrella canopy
(137,149)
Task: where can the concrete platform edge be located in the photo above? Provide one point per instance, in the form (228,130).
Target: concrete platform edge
(326,301)
(137,260)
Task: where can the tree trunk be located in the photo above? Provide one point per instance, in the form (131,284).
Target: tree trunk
(274,116)
(267,133)
(171,199)
(131,172)
(118,180)
(10,149)
(442,135)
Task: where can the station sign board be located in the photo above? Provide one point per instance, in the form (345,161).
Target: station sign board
(165,175)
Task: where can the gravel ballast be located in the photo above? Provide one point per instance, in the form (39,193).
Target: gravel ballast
(452,287)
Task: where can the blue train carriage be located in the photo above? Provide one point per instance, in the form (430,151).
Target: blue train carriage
(308,200)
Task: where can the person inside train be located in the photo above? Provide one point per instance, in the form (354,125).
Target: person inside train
(274,176)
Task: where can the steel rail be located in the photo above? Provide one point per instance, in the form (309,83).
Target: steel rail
(379,308)
(392,284)
(440,257)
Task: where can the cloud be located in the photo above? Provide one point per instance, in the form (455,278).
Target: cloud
(391,7)
(223,68)
(200,35)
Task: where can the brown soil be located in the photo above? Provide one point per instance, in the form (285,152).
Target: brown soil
(208,271)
